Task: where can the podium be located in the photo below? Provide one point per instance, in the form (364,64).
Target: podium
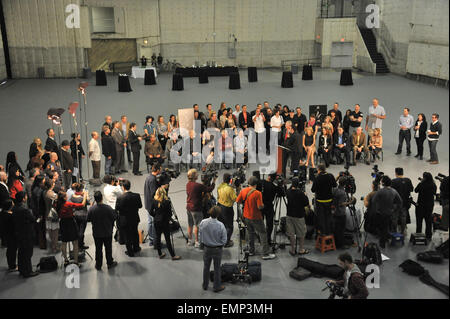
(280,159)
(149,78)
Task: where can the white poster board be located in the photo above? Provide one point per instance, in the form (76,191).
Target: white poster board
(186,119)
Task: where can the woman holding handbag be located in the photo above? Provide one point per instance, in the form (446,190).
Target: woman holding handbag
(162,213)
(51,216)
(67,224)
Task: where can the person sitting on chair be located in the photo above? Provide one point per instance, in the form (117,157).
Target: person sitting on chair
(376,144)
(359,145)
(340,146)
(325,146)
(153,151)
(226,148)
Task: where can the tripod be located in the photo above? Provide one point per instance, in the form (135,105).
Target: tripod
(356,223)
(243,274)
(276,222)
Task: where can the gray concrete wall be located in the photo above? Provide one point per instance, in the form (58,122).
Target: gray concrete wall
(38,37)
(413,36)
(3,74)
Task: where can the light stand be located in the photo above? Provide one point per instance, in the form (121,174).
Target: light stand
(73,110)
(355,221)
(55,116)
(243,274)
(82,89)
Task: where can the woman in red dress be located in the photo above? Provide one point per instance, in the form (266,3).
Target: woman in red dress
(67,225)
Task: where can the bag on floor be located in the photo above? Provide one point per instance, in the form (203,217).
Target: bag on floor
(412,268)
(299,273)
(47,264)
(372,254)
(321,270)
(443,249)
(254,270)
(227,271)
(431,256)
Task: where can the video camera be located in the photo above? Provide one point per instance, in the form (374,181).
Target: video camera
(376,174)
(440,177)
(335,290)
(208,175)
(239,177)
(166,176)
(349,181)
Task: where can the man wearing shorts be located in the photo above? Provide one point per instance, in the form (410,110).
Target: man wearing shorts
(297,201)
(195,193)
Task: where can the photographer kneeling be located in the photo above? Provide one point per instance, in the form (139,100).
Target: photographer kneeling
(162,212)
(353,282)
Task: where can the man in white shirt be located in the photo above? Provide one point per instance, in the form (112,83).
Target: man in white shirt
(276,122)
(375,118)
(111,191)
(260,130)
(237,112)
(95,154)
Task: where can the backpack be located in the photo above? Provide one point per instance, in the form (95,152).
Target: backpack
(431,256)
(299,273)
(47,264)
(443,249)
(412,268)
(372,254)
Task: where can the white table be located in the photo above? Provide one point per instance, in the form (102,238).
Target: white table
(138,72)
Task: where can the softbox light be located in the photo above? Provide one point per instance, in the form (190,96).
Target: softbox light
(54,114)
(73,108)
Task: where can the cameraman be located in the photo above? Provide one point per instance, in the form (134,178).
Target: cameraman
(150,187)
(111,191)
(323,189)
(404,187)
(194,193)
(295,217)
(370,224)
(353,282)
(269,191)
(340,202)
(253,204)
(387,202)
(226,196)
(425,204)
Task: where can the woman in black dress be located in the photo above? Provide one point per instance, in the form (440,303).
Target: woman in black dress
(420,134)
(162,212)
(425,203)
(309,145)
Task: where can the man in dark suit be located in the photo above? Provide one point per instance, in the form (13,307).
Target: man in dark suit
(340,144)
(66,163)
(24,222)
(50,143)
(245,119)
(108,150)
(135,145)
(127,205)
(120,143)
(4,195)
(102,218)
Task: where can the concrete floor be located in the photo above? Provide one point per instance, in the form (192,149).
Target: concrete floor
(24,104)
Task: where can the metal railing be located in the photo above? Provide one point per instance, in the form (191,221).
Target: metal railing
(122,67)
(286,64)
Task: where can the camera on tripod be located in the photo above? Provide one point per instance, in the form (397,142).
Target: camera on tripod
(208,175)
(348,181)
(166,176)
(238,177)
(376,174)
(335,290)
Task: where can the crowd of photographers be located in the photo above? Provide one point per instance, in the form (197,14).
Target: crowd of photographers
(52,199)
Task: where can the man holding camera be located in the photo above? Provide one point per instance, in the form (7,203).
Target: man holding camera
(323,189)
(226,196)
(253,204)
(127,206)
(150,187)
(353,282)
(386,201)
(269,190)
(194,193)
(404,187)
(340,202)
(297,201)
